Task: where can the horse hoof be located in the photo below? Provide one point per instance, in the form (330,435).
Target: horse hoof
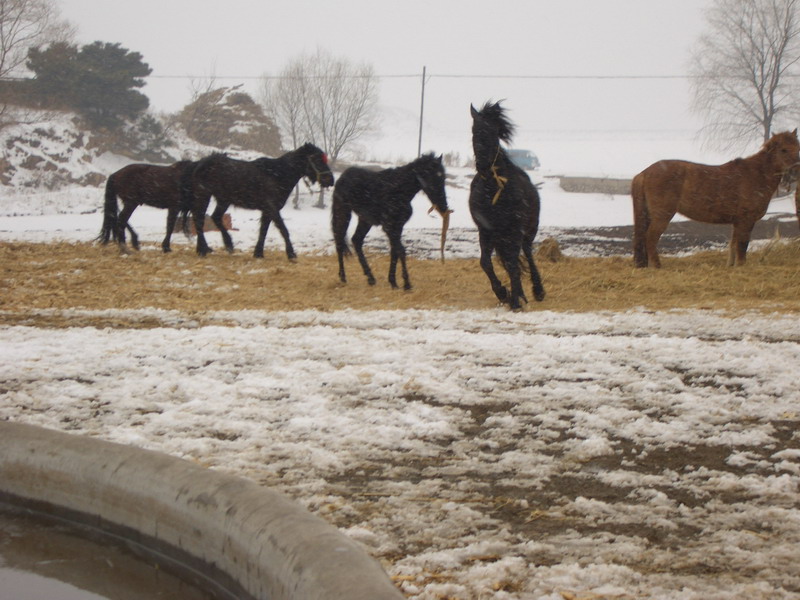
(407,287)
(371,280)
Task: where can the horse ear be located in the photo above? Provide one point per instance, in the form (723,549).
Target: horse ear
(472,111)
(795,132)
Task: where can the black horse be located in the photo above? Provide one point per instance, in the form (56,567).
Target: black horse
(384,198)
(153,185)
(263,184)
(504,205)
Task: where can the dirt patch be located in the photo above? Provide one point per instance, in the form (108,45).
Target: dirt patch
(41,278)
(681,237)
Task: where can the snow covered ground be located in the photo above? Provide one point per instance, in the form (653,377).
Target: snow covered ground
(478,454)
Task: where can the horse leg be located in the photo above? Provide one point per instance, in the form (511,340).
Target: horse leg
(134,237)
(397,251)
(641,221)
(740,240)
(199,214)
(362,229)
(509,256)
(276,216)
(340,221)
(216,217)
(172,218)
(487,247)
(536,278)
(258,252)
(654,231)
(122,223)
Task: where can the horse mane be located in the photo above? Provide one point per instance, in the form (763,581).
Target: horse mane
(426,158)
(307,148)
(777,139)
(496,114)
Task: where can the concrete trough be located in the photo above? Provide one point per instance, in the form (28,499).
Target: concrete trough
(252,542)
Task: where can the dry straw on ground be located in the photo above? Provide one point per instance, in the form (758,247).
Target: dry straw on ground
(82,275)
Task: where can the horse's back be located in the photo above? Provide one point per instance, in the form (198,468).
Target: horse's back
(355,185)
(154,185)
(707,193)
(131,172)
(223,176)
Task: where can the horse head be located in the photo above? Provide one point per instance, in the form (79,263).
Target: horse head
(490,126)
(316,167)
(784,147)
(429,171)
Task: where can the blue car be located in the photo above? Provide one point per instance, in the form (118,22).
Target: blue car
(524,159)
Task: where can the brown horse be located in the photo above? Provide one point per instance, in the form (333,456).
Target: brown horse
(153,185)
(737,192)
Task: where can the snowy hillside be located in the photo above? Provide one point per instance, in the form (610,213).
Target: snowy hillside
(54,153)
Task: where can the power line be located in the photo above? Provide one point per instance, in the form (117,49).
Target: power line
(433,76)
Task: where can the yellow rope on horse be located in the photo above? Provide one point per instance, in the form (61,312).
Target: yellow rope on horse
(501,181)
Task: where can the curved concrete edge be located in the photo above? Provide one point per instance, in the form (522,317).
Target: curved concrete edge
(268,545)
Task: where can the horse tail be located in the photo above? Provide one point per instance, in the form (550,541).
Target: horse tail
(340,220)
(641,220)
(110,212)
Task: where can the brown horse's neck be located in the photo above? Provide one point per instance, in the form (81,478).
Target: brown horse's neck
(765,163)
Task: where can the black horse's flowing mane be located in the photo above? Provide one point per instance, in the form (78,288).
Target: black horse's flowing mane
(430,157)
(496,114)
(307,148)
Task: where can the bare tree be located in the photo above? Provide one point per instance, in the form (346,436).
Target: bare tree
(328,101)
(25,24)
(339,101)
(745,69)
(282,99)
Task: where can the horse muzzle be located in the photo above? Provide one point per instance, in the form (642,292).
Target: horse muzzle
(325,179)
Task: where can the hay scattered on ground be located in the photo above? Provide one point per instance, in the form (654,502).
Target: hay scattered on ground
(81,275)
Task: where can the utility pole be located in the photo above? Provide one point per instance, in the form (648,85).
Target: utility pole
(421,112)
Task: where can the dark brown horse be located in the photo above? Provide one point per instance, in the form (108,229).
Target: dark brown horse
(136,184)
(737,193)
(263,184)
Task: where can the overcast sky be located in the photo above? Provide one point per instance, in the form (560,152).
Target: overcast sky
(245,39)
